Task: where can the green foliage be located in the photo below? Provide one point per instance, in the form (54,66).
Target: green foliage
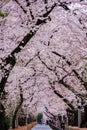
(85,71)
(8,121)
(3,14)
(39,117)
(83,96)
(85,58)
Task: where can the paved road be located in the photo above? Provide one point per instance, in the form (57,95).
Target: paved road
(41,127)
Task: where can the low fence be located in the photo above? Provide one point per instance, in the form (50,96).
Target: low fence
(26,127)
(75,128)
(54,127)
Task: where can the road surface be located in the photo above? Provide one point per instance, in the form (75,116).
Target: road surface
(41,127)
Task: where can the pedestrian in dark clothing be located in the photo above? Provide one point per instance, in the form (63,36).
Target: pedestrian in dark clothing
(63,125)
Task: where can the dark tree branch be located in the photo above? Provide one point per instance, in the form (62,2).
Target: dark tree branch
(32,16)
(45,1)
(20,6)
(67,86)
(59,95)
(11,60)
(73,70)
(17,108)
(28,3)
(60,81)
(31,60)
(63,5)
(49,11)
(44,63)
(51,115)
(65,100)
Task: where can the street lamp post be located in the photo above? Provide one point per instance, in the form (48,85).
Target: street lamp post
(80,104)
(27,116)
(79,112)
(66,120)
(79,117)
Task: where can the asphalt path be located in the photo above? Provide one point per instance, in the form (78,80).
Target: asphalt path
(41,127)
